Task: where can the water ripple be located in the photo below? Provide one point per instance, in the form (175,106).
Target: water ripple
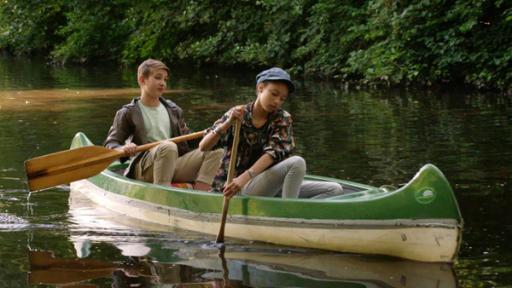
(9,222)
(11,219)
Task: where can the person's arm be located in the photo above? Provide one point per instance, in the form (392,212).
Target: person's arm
(118,133)
(259,166)
(281,144)
(213,135)
(220,127)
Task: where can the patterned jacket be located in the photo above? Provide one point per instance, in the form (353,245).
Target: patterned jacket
(275,138)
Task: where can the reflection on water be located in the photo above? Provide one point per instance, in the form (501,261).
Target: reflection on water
(61,99)
(135,271)
(374,137)
(240,269)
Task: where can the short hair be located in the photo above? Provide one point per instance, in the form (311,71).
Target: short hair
(148,66)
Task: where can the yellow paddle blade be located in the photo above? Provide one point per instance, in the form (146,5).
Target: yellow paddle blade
(71,165)
(68,166)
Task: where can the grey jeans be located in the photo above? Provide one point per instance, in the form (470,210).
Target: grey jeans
(287,178)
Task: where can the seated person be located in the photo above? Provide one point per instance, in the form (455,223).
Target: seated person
(151,118)
(265,166)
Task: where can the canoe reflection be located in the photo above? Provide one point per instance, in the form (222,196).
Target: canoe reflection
(242,269)
(329,270)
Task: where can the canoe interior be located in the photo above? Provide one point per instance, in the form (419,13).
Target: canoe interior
(348,187)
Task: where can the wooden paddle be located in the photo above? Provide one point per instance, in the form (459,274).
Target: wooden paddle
(80,163)
(231,174)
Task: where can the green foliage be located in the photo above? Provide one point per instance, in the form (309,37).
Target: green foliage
(374,41)
(92,31)
(26,26)
(331,32)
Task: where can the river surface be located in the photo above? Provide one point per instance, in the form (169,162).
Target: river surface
(377,137)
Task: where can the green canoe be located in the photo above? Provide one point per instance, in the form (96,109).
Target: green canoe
(419,221)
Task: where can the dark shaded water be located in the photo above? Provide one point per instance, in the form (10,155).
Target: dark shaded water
(374,137)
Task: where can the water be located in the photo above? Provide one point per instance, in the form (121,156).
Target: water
(374,137)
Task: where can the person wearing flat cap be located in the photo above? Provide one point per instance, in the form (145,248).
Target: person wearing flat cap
(265,165)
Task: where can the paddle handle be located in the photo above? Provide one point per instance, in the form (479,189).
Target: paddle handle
(231,174)
(234,152)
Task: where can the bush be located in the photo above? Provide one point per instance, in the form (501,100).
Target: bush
(380,41)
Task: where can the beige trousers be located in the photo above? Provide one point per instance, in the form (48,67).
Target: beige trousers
(162,165)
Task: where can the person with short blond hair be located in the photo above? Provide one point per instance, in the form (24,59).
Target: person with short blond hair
(149,65)
(151,118)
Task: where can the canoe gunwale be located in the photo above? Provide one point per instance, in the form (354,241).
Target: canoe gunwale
(319,203)
(284,222)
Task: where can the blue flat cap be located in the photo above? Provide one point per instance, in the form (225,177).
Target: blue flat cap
(276,74)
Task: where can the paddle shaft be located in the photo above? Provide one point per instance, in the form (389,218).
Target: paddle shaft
(231,173)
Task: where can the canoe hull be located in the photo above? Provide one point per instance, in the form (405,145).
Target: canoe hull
(421,240)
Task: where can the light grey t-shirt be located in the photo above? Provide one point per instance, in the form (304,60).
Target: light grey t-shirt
(156,122)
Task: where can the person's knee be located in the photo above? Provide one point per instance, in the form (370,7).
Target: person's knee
(216,154)
(322,190)
(298,164)
(335,189)
(167,149)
